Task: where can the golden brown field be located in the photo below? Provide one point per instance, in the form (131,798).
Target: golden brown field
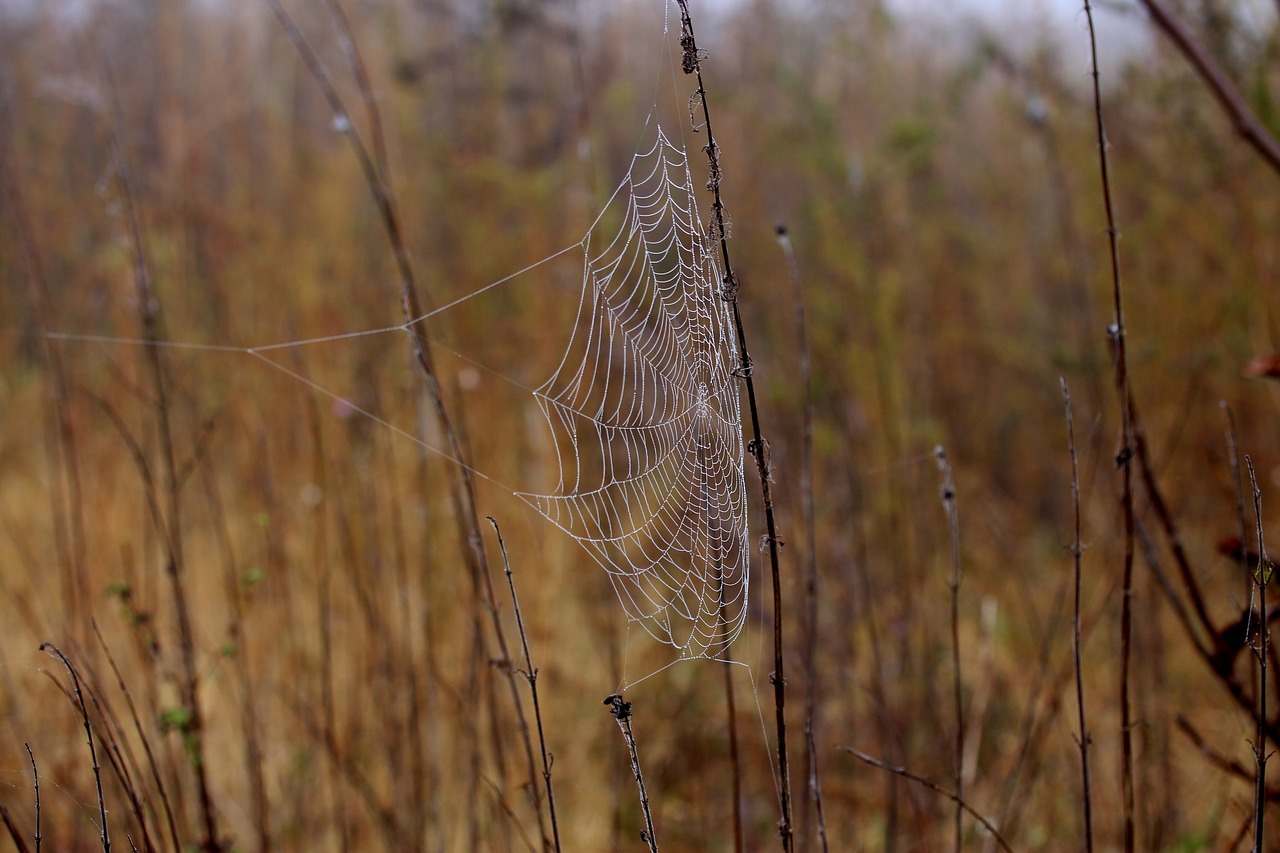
(280,602)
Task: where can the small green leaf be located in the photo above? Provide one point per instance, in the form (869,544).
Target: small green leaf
(176,719)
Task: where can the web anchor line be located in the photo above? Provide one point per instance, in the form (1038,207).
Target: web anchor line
(642,408)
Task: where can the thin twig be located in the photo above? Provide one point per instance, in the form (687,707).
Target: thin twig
(691,62)
(35,784)
(932,786)
(1262,577)
(88,732)
(1125,456)
(621,711)
(1233,457)
(1077,552)
(170,526)
(948,493)
(810,536)
(1227,765)
(815,785)
(531,675)
(142,738)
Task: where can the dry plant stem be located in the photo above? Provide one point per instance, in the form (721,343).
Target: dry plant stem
(66,492)
(948,492)
(250,722)
(621,711)
(735,758)
(35,785)
(1233,103)
(19,842)
(120,757)
(88,733)
(464,495)
(810,645)
(692,64)
(531,675)
(152,765)
(1233,456)
(1077,552)
(815,786)
(932,786)
(1262,577)
(1227,765)
(169,522)
(1124,457)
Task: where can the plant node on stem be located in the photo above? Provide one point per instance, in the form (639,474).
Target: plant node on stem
(691,63)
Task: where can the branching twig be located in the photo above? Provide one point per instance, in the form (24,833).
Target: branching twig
(932,786)
(531,675)
(88,732)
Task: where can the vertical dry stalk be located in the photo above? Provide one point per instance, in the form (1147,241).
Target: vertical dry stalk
(1077,552)
(168,519)
(948,492)
(463,493)
(1124,458)
(88,733)
(66,490)
(621,711)
(691,62)
(810,642)
(531,675)
(1261,647)
(152,766)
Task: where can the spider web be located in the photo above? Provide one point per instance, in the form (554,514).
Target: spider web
(646,418)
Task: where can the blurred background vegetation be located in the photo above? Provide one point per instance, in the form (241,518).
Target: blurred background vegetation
(338,684)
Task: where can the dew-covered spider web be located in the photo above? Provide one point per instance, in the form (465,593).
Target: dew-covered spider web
(647,422)
(641,400)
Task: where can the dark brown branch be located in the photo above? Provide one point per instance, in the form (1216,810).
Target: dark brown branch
(1224,90)
(88,733)
(691,62)
(1125,456)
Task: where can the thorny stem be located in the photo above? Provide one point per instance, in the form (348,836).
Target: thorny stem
(531,675)
(948,491)
(691,62)
(621,711)
(1261,577)
(1125,456)
(88,733)
(1077,552)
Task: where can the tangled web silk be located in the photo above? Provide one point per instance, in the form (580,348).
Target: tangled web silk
(646,417)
